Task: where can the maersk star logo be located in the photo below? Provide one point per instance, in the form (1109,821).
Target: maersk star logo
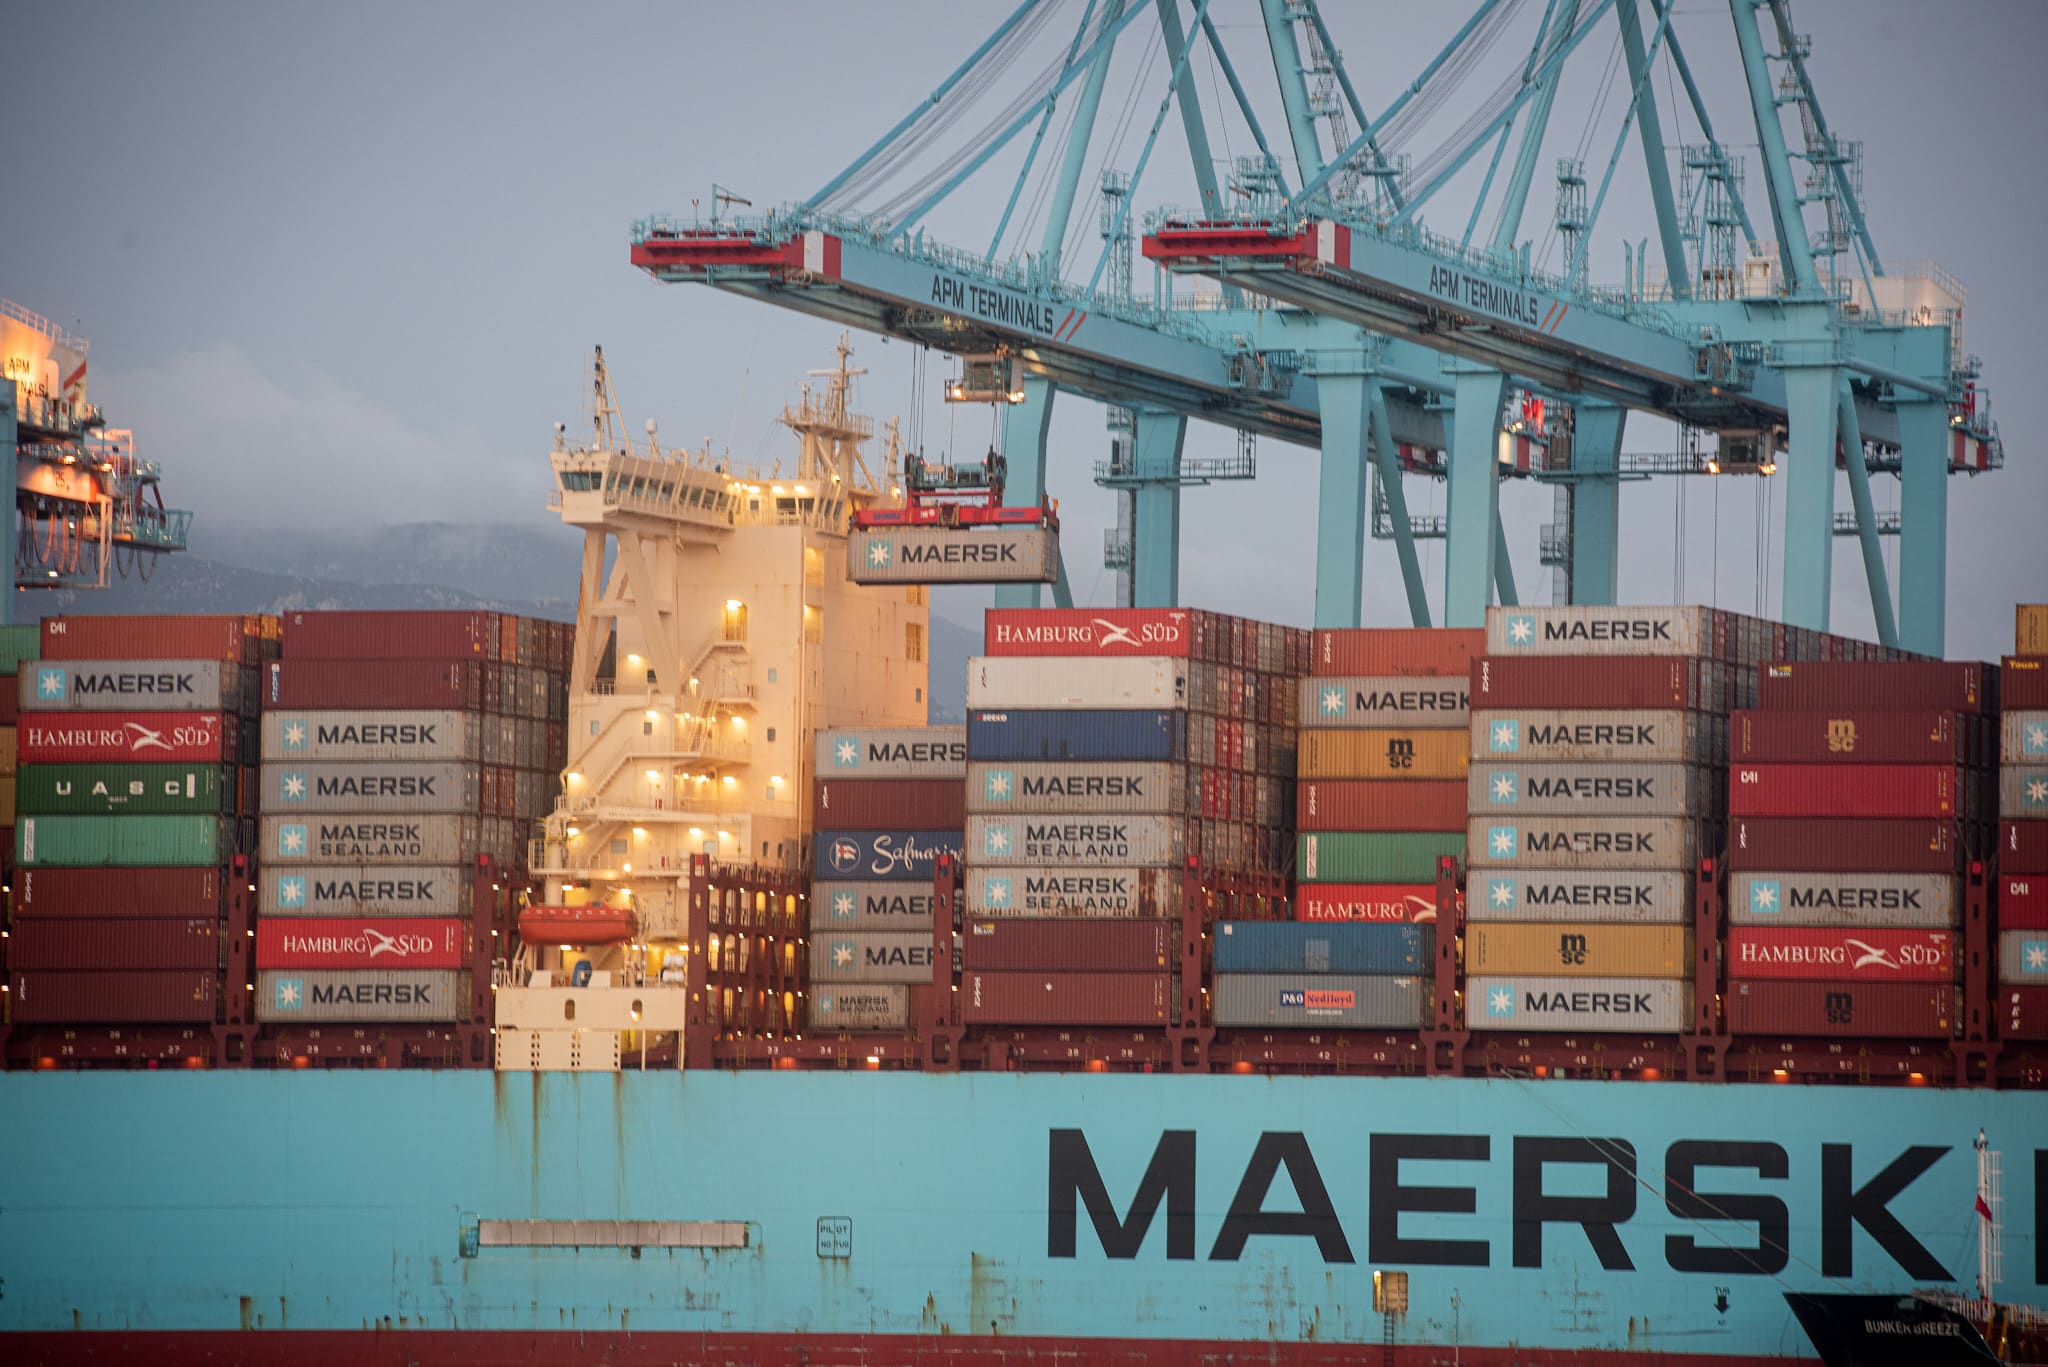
(846,753)
(880,553)
(291,840)
(1503,786)
(2033,957)
(823,1005)
(291,785)
(289,994)
(2036,794)
(1333,702)
(1521,629)
(1504,737)
(1500,893)
(1764,897)
(2036,742)
(996,892)
(998,785)
(291,892)
(49,683)
(842,954)
(292,733)
(995,840)
(1500,1001)
(842,906)
(1502,841)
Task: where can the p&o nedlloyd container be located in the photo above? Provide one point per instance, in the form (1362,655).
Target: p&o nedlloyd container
(1332,1001)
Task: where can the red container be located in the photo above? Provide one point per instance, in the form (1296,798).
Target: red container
(1828,1010)
(1382,805)
(394,636)
(1853,738)
(422,684)
(97,943)
(1069,944)
(877,804)
(1089,632)
(1832,845)
(1404,902)
(1435,652)
(2023,683)
(1903,791)
(1602,681)
(140,737)
(2023,847)
(2020,1012)
(2023,901)
(1841,954)
(1871,686)
(181,997)
(170,893)
(362,942)
(1066,998)
(234,637)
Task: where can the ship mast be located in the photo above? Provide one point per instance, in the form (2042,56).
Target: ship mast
(1990,1209)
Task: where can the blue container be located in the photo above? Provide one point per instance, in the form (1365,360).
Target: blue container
(881,856)
(1109,734)
(1350,947)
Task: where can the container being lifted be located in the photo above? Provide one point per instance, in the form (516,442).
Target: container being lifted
(954,529)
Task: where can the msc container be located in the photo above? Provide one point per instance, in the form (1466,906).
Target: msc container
(242,639)
(1295,1001)
(1411,903)
(380,735)
(1838,737)
(125,789)
(104,942)
(1841,953)
(1577,735)
(288,995)
(872,906)
(1079,787)
(893,752)
(432,685)
(1638,898)
(1586,842)
(2023,957)
(1015,944)
(1133,999)
(1385,700)
(1297,947)
(871,957)
(1591,949)
(1137,681)
(1364,805)
(1841,1010)
(1659,1006)
(2022,902)
(1843,899)
(122,997)
(1603,681)
(1610,629)
(140,737)
(2023,847)
(953,555)
(2023,738)
(1105,735)
(174,893)
(1875,686)
(2023,792)
(1126,841)
(1820,845)
(1429,652)
(1596,789)
(124,842)
(380,840)
(389,891)
(460,635)
(915,803)
(2021,1012)
(882,856)
(1375,856)
(1091,631)
(387,786)
(363,942)
(1895,791)
(2023,683)
(1093,891)
(854,1006)
(144,685)
(1382,754)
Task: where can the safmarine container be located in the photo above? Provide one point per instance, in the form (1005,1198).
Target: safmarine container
(2023,957)
(2023,792)
(1366,805)
(285,996)
(1610,629)
(893,752)
(1824,845)
(1081,787)
(860,1006)
(2023,846)
(1840,1010)
(881,856)
(173,893)
(1841,953)
(142,685)
(1659,1006)
(391,890)
(315,838)
(169,997)
(1008,944)
(1846,899)
(1396,902)
(125,789)
(1135,681)
(1354,947)
(380,734)
(1082,735)
(1092,631)
(1433,652)
(2023,902)
(363,942)
(1845,737)
(379,786)
(1585,950)
(1585,842)
(1868,685)
(104,942)
(458,635)
(1576,735)
(1078,841)
(235,637)
(1639,897)
(1301,1001)
(953,555)
(351,684)
(1067,998)
(1592,789)
(1385,701)
(2023,738)
(916,803)
(1599,682)
(123,737)
(1377,754)
(129,842)
(871,957)
(872,906)
(1898,791)
(1375,856)
(1010,890)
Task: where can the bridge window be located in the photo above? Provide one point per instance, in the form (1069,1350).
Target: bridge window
(735,620)
(913,642)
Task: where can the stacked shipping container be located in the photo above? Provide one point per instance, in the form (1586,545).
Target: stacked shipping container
(17,644)
(1337,975)
(2022,888)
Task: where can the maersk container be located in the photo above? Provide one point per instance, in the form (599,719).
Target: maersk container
(1881,791)
(286,996)
(125,789)
(105,942)
(1001,681)
(381,787)
(122,997)
(359,684)
(1009,890)
(1375,856)
(379,840)
(1841,953)
(2023,957)
(359,942)
(1586,949)
(1083,787)
(1840,1010)
(2020,1012)
(1087,632)
(859,1006)
(1849,899)
(1597,895)
(2023,738)
(2023,683)
(953,555)
(871,957)
(1408,903)
(1003,944)
(1843,737)
(881,856)
(1658,1006)
(381,734)
(122,842)
(859,803)
(1381,754)
(456,635)
(141,685)
(1876,686)
(387,891)
(1078,841)
(1594,789)
(1368,805)
(1131,999)
(1106,735)
(175,893)
(893,752)
(1427,652)
(129,737)
(1385,700)
(242,638)
(1609,629)
(2023,847)
(872,906)
(1655,736)
(1824,845)
(1296,947)
(2023,792)
(2023,902)
(1314,1001)
(1586,842)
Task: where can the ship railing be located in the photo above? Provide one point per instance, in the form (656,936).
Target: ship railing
(1982,1311)
(10,309)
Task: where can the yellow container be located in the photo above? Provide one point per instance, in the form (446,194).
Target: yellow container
(2030,629)
(1578,951)
(7,751)
(1384,754)
(6,799)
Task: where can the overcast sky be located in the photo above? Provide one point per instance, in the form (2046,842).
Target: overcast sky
(343,265)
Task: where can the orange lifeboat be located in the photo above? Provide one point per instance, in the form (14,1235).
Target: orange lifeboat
(589,925)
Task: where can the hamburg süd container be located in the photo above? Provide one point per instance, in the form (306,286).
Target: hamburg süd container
(123,842)
(381,734)
(381,891)
(1374,856)
(1383,754)
(2023,957)
(1598,895)
(1585,950)
(1838,845)
(106,942)
(872,906)
(118,997)
(2023,738)
(315,838)
(1078,841)
(2023,791)
(1844,737)
(2023,901)
(953,555)
(125,789)
(1603,682)
(1012,944)
(881,856)
(1067,998)
(1366,805)
(860,1006)
(288,995)
(1413,903)
(372,787)
(1585,842)
(1081,632)
(1428,652)
(1840,1010)
(457,635)
(1841,953)
(1595,789)
(1000,681)
(1609,1005)
(1874,686)
(1780,898)
(1298,947)
(1882,791)
(1310,1001)
(1577,735)
(239,638)
(127,737)
(363,942)
(864,803)
(1609,629)
(1077,735)
(893,752)
(355,684)
(1385,701)
(141,685)
(172,893)
(1008,890)
(1081,787)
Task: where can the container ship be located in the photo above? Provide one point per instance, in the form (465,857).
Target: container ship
(462,988)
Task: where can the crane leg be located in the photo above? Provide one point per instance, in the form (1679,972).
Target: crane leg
(1923,527)
(1340,508)
(1155,537)
(1596,500)
(1024,431)
(8,438)
(1474,496)
(1809,496)
(1387,455)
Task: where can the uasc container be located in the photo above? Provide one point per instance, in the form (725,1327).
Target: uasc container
(1606,1005)
(1585,950)
(125,789)
(1302,1001)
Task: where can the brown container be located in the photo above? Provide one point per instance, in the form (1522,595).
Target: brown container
(393,636)
(2020,1012)
(1605,681)
(1844,737)
(1439,652)
(1066,998)
(1841,1010)
(2023,847)
(169,893)
(2023,683)
(1363,805)
(1068,944)
(1880,791)
(1873,686)
(182,997)
(98,943)
(376,683)
(1825,845)
(878,804)
(233,637)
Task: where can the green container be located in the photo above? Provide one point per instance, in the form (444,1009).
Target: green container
(18,644)
(128,842)
(1374,856)
(124,789)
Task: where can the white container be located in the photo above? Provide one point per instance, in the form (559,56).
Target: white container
(2023,957)
(871,906)
(1843,899)
(2023,791)
(852,1006)
(1661,1006)
(1394,702)
(376,735)
(1615,629)
(1078,787)
(384,786)
(390,890)
(1582,842)
(953,555)
(870,957)
(1013,682)
(1662,736)
(1587,895)
(134,686)
(1015,890)
(1594,789)
(1315,1001)
(1076,841)
(374,840)
(892,752)
(2022,738)
(286,996)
